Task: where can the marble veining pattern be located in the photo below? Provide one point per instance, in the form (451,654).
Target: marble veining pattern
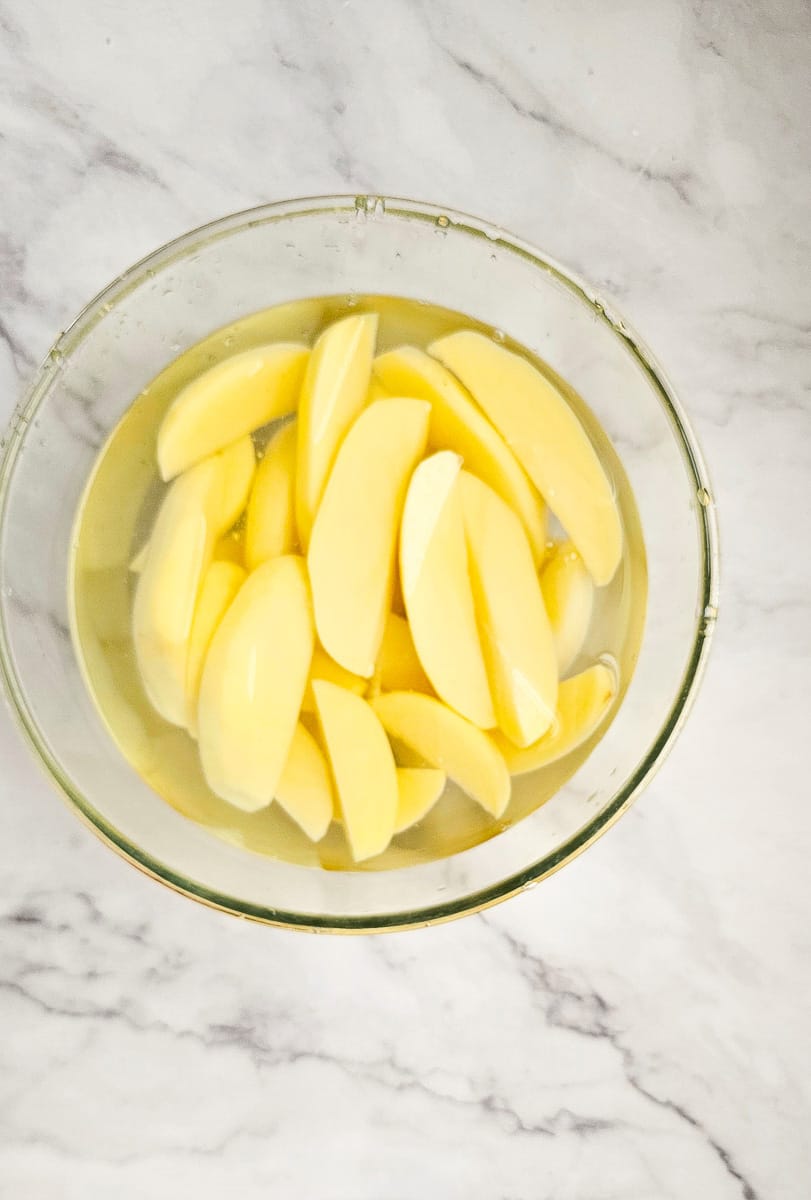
(635,1028)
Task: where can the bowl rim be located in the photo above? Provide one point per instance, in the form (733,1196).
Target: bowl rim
(706,518)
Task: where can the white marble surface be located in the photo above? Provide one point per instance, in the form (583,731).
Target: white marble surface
(636,1027)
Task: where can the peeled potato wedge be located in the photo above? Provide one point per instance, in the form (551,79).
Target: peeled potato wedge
(237,464)
(547,439)
(362,766)
(519,651)
(239,467)
(304,790)
(583,704)
(220,585)
(457,424)
(449,742)
(354,537)
(253,681)
(234,398)
(568,594)
(177,556)
(436,589)
(332,396)
(270,526)
(418,789)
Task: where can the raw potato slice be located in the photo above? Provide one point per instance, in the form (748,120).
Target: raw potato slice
(305,788)
(239,465)
(221,583)
(516,639)
(398,666)
(447,741)
(253,681)
(583,703)
(418,789)
(548,440)
(178,554)
(458,425)
(234,398)
(325,667)
(270,527)
(362,766)
(568,594)
(332,396)
(436,589)
(354,537)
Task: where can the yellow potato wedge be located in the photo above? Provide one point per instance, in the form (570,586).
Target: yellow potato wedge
(220,585)
(178,553)
(270,526)
(436,589)
(516,639)
(568,594)
(418,789)
(583,704)
(253,681)
(362,766)
(447,741)
(354,536)
(332,396)
(548,440)
(304,790)
(233,398)
(239,466)
(457,424)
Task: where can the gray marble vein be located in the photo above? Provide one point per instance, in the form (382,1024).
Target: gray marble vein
(635,1028)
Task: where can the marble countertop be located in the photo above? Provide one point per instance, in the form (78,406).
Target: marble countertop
(636,1027)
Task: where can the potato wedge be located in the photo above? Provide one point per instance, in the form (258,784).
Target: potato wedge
(253,682)
(458,424)
(362,766)
(548,440)
(235,397)
(447,741)
(354,537)
(436,589)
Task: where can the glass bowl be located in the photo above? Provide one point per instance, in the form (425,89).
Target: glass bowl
(334,246)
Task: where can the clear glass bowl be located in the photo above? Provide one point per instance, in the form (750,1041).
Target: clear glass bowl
(333,246)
